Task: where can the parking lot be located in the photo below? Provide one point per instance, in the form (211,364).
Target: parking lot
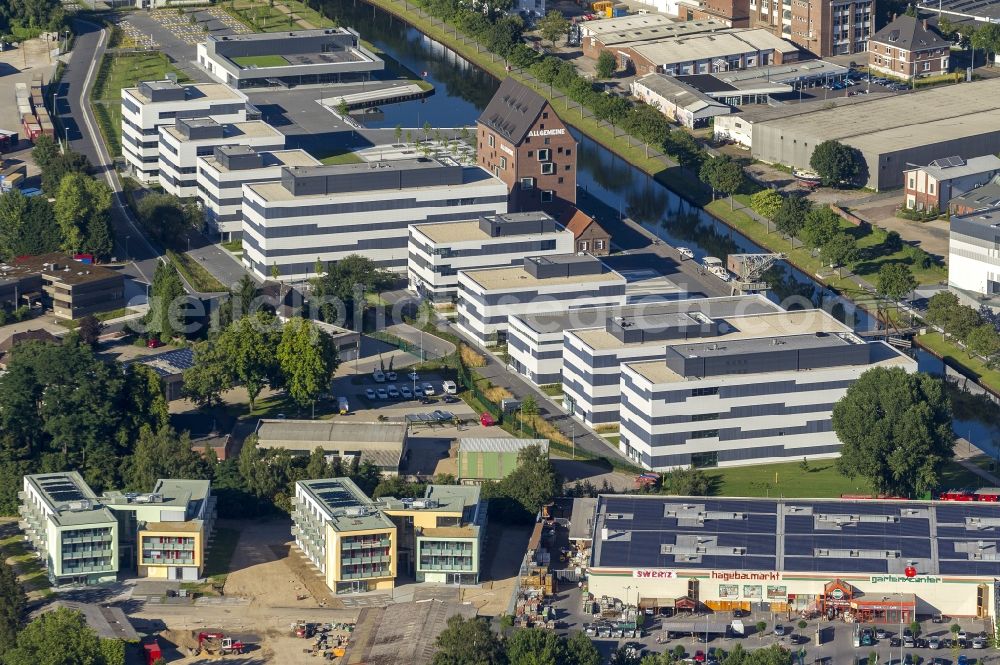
(858,84)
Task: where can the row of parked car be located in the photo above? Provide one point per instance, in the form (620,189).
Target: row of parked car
(868,637)
(418,390)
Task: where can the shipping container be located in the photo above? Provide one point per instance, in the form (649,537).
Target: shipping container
(8,140)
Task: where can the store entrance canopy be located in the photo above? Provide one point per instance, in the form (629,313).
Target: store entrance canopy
(696,627)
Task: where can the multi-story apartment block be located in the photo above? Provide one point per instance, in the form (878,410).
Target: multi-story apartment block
(908,48)
(221,176)
(933,186)
(164,534)
(744,398)
(822,27)
(438,251)
(439,536)
(83,538)
(360,545)
(543,284)
(324,213)
(183,143)
(344,535)
(974,253)
(75,536)
(521,140)
(153,104)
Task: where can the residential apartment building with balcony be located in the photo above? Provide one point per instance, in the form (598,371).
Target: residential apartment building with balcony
(822,27)
(74,534)
(152,104)
(183,143)
(746,398)
(439,536)
(220,178)
(908,48)
(542,284)
(325,213)
(83,538)
(344,535)
(438,251)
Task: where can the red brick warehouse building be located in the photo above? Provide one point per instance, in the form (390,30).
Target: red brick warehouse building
(522,141)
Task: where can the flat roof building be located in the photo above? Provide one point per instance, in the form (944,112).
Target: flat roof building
(152,104)
(820,555)
(72,289)
(542,284)
(325,213)
(382,444)
(359,545)
(535,340)
(221,175)
(296,57)
(761,392)
(973,264)
(439,250)
(183,143)
(889,132)
(83,538)
(635,29)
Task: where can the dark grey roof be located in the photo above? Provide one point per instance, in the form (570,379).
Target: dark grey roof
(513,110)
(909,34)
(796,535)
(980,198)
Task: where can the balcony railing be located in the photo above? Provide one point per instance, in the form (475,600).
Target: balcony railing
(167,562)
(76,570)
(86,554)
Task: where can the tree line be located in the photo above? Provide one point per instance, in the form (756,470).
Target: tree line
(23,18)
(977,330)
(78,218)
(61,637)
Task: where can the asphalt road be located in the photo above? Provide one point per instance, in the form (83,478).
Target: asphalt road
(74,110)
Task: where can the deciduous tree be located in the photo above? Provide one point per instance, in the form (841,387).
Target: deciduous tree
(165,318)
(766,203)
(307,358)
(895,281)
(841,250)
(606,65)
(59,637)
(722,174)
(792,215)
(983,340)
(835,162)
(553,26)
(896,431)
(13,606)
(163,454)
(468,642)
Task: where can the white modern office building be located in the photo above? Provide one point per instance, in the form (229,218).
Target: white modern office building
(438,251)
(325,213)
(592,357)
(221,176)
(535,342)
(763,392)
(542,284)
(973,259)
(183,143)
(153,104)
(285,59)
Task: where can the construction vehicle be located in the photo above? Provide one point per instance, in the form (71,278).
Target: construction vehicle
(218,643)
(153,652)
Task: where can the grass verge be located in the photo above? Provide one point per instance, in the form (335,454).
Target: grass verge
(552,389)
(195,274)
(119,71)
(234,246)
(944,348)
(28,567)
(341,158)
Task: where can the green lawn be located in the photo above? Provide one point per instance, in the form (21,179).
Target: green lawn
(552,389)
(195,273)
(341,158)
(234,246)
(819,480)
(953,355)
(261,17)
(27,566)
(124,71)
(261,61)
(220,553)
(789,479)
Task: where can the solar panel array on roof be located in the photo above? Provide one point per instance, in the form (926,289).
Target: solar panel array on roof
(797,535)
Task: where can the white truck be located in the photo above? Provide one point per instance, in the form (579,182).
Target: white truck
(737,629)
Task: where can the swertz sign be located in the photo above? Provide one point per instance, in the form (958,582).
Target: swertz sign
(653,574)
(547,132)
(729,575)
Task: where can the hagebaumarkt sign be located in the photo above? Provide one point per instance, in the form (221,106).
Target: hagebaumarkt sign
(654,574)
(730,575)
(919,579)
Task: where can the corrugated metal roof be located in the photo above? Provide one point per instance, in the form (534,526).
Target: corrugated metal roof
(507,445)
(329,430)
